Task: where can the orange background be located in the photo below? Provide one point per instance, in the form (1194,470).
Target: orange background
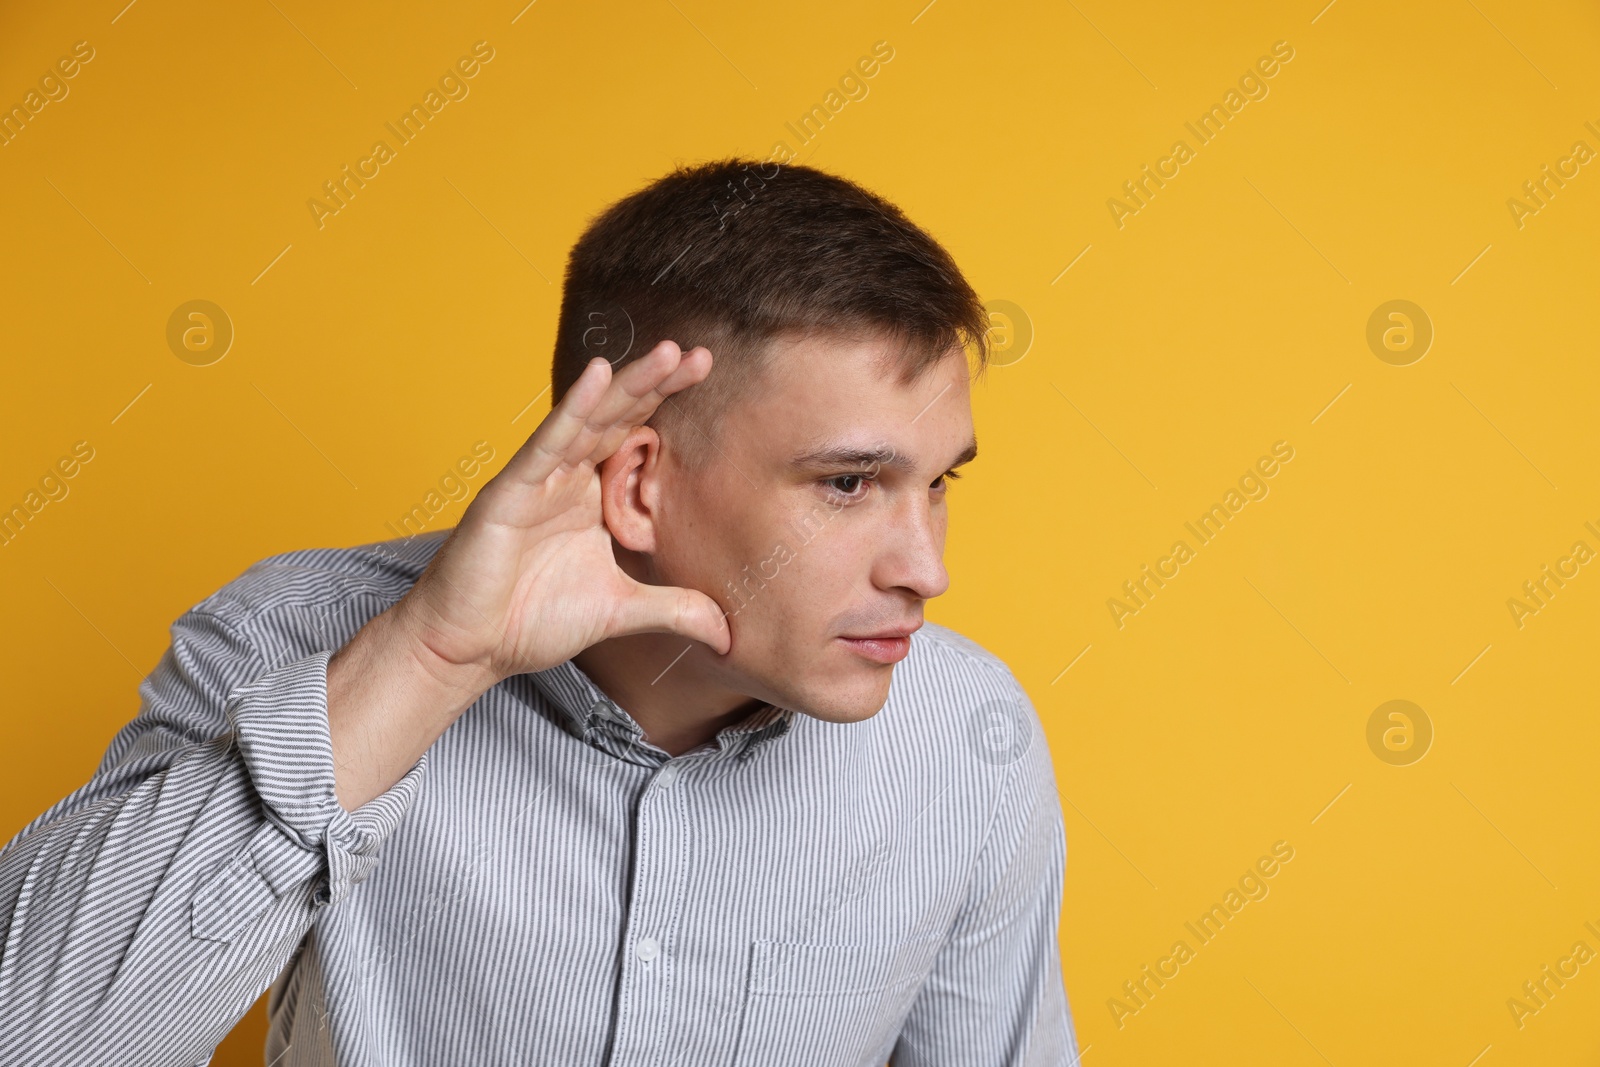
(1229,312)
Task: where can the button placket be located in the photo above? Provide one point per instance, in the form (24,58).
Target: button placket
(645,1015)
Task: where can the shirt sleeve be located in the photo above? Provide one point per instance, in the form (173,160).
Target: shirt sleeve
(148,910)
(995,995)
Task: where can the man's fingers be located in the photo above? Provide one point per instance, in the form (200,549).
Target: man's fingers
(553,439)
(638,389)
(689,613)
(691,369)
(601,407)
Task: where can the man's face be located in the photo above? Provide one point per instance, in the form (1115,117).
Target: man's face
(818,520)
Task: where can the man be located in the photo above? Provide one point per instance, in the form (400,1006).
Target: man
(651,760)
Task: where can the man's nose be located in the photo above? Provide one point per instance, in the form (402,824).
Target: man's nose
(914,559)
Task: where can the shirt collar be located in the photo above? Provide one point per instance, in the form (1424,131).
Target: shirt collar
(594,718)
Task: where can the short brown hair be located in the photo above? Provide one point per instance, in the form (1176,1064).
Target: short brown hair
(736,253)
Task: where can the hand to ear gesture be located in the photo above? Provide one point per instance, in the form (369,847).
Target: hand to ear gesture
(526,580)
(528,577)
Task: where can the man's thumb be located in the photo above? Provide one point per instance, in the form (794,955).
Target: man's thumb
(669,609)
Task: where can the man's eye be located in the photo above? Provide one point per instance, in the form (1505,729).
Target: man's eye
(847,485)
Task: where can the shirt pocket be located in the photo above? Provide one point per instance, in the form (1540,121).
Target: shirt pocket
(829,1003)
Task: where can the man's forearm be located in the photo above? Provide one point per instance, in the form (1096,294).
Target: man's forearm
(389,699)
(133,912)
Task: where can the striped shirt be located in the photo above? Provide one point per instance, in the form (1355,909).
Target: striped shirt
(544,885)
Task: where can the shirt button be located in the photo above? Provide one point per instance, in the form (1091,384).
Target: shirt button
(667,776)
(647,949)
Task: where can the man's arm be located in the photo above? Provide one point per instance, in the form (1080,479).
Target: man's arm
(995,995)
(147,911)
(144,913)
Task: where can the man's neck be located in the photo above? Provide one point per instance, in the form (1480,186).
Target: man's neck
(678,710)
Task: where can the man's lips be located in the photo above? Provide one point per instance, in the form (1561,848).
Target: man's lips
(889,645)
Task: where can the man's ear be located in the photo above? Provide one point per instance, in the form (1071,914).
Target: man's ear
(630,488)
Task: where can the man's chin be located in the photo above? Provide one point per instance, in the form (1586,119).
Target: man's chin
(824,687)
(844,705)
(849,715)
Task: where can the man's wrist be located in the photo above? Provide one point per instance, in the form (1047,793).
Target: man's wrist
(407,640)
(389,699)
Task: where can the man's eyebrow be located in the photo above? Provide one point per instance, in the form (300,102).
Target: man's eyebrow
(967,455)
(842,456)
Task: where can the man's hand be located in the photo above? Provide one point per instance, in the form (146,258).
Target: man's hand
(526,580)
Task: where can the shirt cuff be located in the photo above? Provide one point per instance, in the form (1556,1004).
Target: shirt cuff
(280,723)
